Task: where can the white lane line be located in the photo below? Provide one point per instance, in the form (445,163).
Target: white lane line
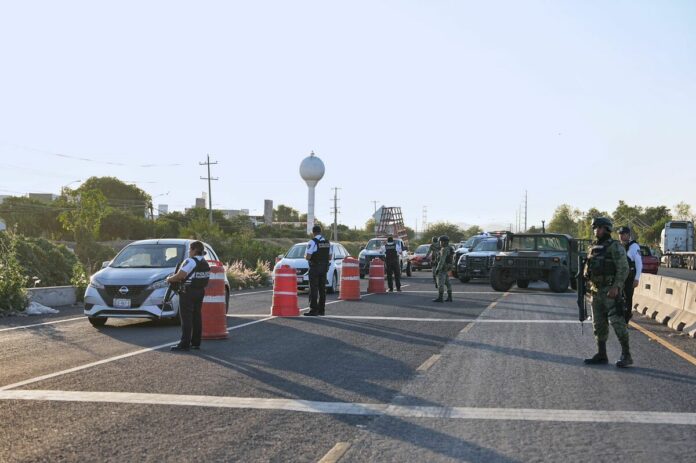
(459,320)
(336,452)
(425,366)
(83,318)
(497,292)
(347,408)
(468,327)
(253,292)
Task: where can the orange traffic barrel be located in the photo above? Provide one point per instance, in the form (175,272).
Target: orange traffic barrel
(285,303)
(376,283)
(350,280)
(213,311)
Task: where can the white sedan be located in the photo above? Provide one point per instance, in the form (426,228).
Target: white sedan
(295,258)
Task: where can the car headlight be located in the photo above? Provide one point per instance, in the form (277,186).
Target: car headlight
(94,283)
(158,285)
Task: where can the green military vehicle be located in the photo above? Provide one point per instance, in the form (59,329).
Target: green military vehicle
(548,257)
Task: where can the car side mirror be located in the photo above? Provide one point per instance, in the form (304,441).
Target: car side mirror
(105,263)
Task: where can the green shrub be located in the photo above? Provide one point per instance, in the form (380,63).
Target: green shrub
(13,295)
(49,263)
(92,254)
(240,276)
(79,280)
(244,248)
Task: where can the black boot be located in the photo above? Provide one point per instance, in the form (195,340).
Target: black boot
(625,360)
(600,358)
(439,298)
(449,296)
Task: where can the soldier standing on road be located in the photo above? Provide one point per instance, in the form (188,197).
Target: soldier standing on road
(606,270)
(193,274)
(392,250)
(635,268)
(318,255)
(444,265)
(434,254)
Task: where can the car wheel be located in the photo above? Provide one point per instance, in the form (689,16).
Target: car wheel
(227,301)
(500,280)
(408,270)
(97,321)
(464,279)
(559,279)
(523,284)
(334,284)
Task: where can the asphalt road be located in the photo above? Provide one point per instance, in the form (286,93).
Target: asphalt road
(681,273)
(393,377)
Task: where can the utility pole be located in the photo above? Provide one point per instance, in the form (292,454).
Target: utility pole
(525,211)
(210,191)
(376,224)
(425,219)
(543,226)
(335,213)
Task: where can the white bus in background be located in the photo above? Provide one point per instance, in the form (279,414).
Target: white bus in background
(677,243)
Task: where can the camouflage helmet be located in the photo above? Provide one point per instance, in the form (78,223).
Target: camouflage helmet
(435,239)
(602,222)
(444,238)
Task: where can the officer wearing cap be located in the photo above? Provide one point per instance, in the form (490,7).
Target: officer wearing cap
(635,268)
(606,270)
(444,265)
(392,250)
(194,274)
(318,255)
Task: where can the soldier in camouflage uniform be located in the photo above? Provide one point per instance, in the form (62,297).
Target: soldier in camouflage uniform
(434,254)
(444,265)
(606,270)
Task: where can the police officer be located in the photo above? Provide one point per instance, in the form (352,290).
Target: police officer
(318,254)
(606,270)
(444,265)
(392,250)
(434,254)
(194,274)
(635,268)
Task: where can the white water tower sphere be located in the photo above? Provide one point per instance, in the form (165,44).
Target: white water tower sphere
(311,170)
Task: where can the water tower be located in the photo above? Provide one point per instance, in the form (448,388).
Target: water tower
(311,171)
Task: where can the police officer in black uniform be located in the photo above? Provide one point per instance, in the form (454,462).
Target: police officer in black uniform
(192,279)
(635,268)
(392,250)
(318,254)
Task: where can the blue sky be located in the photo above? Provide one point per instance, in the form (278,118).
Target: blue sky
(455,105)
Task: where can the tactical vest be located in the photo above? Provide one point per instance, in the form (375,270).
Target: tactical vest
(200,275)
(435,249)
(321,255)
(390,251)
(631,263)
(601,269)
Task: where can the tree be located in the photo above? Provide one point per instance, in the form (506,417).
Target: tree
(84,214)
(682,211)
(30,217)
(564,220)
(120,195)
(585,222)
(443,228)
(471,231)
(284,213)
(201,229)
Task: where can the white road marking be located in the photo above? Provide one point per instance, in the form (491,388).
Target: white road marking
(83,318)
(253,292)
(459,320)
(425,366)
(468,327)
(337,451)
(347,408)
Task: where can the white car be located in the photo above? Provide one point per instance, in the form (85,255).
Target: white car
(133,284)
(295,258)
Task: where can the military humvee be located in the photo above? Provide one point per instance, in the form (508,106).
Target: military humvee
(549,257)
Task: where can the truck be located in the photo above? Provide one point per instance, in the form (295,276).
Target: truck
(548,257)
(677,243)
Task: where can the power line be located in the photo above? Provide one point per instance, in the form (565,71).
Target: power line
(210,191)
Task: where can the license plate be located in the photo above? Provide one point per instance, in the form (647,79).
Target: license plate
(122,303)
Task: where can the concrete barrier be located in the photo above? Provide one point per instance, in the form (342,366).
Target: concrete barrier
(646,295)
(671,299)
(53,296)
(686,320)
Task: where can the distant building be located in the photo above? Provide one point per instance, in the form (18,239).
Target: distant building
(268,212)
(200,202)
(162,209)
(43,197)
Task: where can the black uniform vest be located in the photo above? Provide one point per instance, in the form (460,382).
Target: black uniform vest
(321,255)
(200,275)
(631,263)
(390,250)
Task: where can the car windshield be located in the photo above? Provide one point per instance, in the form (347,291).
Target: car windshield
(487,245)
(374,245)
(522,243)
(297,252)
(552,243)
(150,256)
(423,249)
(645,251)
(468,243)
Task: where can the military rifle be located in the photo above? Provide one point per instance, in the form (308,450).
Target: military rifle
(582,290)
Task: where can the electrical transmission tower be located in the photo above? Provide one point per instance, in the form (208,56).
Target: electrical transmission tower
(335,211)
(210,191)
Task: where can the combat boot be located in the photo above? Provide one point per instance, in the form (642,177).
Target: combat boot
(449,296)
(625,360)
(600,358)
(439,298)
